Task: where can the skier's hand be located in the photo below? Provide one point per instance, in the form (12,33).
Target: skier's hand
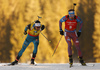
(42,28)
(61,32)
(78,33)
(25,32)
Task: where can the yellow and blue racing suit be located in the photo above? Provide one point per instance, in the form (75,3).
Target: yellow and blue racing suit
(33,36)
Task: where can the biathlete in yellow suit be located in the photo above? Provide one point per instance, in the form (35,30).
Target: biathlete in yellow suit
(33,36)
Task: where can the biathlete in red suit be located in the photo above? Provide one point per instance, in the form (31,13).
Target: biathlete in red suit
(71,22)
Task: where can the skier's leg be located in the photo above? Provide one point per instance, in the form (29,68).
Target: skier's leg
(36,43)
(68,40)
(33,58)
(24,46)
(76,42)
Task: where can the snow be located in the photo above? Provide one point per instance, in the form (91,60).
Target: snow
(50,66)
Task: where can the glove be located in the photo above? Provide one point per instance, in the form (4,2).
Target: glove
(25,32)
(78,33)
(42,28)
(61,32)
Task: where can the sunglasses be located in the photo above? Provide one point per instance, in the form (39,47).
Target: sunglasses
(37,27)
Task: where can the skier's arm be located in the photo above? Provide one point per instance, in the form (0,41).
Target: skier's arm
(63,19)
(80,23)
(80,26)
(27,27)
(42,27)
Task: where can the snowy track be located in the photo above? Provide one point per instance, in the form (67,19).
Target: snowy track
(47,66)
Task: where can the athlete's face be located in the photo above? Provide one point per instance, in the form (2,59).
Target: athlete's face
(71,14)
(37,28)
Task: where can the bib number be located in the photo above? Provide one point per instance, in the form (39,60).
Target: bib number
(70,27)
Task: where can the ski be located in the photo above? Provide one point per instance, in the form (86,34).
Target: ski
(19,64)
(10,64)
(23,64)
(7,65)
(89,65)
(92,65)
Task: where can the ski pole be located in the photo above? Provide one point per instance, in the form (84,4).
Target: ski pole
(45,37)
(57,45)
(23,36)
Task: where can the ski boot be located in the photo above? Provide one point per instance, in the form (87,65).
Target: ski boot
(14,62)
(70,61)
(33,58)
(32,61)
(82,61)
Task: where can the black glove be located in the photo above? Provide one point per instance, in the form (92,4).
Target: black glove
(78,33)
(42,28)
(61,32)
(25,32)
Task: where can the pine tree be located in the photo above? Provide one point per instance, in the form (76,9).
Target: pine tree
(96,34)
(86,11)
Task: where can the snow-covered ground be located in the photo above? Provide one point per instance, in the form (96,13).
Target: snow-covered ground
(52,66)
